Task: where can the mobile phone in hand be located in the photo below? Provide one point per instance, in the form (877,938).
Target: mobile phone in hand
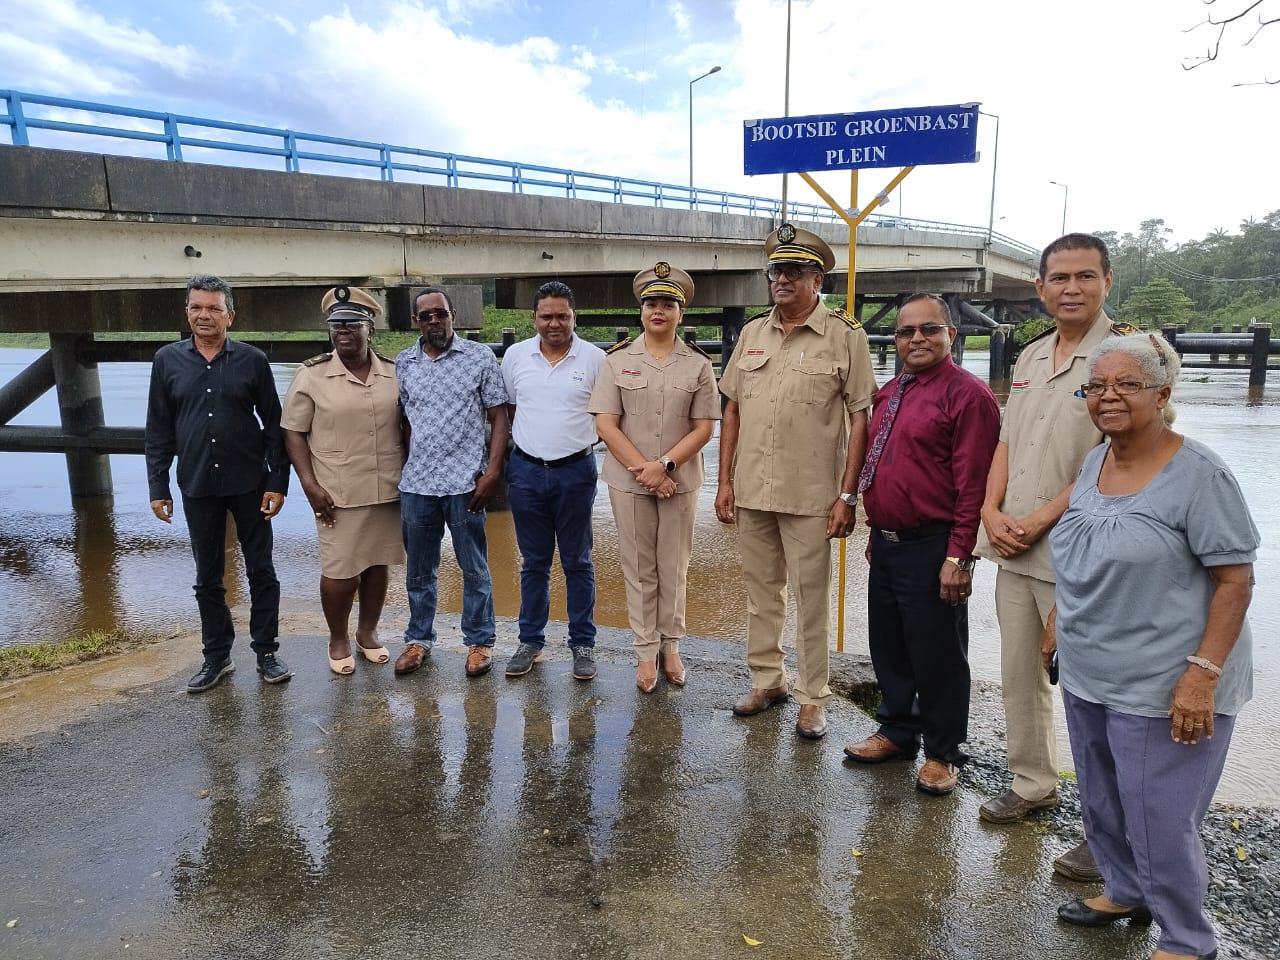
(1053,668)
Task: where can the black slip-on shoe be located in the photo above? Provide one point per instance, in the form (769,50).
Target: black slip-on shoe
(1080,914)
(272,669)
(210,675)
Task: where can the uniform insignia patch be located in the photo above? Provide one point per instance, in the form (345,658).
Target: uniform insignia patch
(621,344)
(630,373)
(1020,384)
(853,324)
(1122,328)
(662,269)
(786,233)
(318,359)
(342,294)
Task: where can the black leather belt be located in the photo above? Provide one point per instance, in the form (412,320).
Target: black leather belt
(916,533)
(560,462)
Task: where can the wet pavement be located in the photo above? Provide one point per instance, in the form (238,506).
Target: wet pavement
(374,816)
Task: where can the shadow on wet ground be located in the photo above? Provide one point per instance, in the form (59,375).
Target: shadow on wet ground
(375,816)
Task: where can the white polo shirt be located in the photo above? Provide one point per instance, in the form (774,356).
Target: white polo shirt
(551,402)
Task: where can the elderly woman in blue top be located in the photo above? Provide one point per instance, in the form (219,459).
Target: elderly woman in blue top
(1154,559)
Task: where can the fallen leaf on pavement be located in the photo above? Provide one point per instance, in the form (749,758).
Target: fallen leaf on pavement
(1241,854)
(11,924)
(856,852)
(751,943)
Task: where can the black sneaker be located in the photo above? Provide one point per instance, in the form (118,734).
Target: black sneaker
(521,661)
(272,669)
(584,663)
(210,675)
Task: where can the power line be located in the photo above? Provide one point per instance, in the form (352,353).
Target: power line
(1188,274)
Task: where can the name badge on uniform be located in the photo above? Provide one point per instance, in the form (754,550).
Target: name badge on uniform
(756,352)
(631,373)
(578,376)
(1019,384)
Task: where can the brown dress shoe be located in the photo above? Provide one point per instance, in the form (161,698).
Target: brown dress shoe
(759,700)
(1009,807)
(937,778)
(479,660)
(1078,864)
(812,724)
(411,659)
(878,748)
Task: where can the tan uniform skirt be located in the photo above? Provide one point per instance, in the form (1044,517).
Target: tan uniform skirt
(360,538)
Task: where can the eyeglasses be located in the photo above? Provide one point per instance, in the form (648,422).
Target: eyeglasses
(927,329)
(1123,388)
(346,324)
(426,316)
(776,273)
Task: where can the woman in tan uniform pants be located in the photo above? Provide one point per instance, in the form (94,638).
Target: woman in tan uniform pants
(655,403)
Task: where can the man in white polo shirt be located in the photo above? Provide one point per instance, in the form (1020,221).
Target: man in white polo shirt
(551,475)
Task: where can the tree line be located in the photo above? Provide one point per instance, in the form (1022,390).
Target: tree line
(1228,278)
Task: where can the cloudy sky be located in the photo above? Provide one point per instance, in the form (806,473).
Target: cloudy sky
(1092,93)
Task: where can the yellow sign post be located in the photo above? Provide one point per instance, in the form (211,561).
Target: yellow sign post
(852,217)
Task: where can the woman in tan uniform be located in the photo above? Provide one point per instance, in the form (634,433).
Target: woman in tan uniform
(341,425)
(655,403)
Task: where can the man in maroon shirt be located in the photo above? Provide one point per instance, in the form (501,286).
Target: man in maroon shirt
(933,432)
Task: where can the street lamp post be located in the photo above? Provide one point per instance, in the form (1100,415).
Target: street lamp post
(715,69)
(1065,191)
(995,161)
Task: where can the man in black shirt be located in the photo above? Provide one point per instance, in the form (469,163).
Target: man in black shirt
(205,392)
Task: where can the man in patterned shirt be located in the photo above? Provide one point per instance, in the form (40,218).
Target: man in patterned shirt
(449,387)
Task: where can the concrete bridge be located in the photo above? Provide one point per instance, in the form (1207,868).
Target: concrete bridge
(94,242)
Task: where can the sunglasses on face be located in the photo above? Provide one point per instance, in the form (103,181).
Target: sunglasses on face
(927,329)
(426,316)
(774,274)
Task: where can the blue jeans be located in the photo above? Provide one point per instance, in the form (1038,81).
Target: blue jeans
(551,507)
(423,520)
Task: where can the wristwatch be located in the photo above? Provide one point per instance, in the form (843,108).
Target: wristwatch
(963,564)
(668,464)
(850,498)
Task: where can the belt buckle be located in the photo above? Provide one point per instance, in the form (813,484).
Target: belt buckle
(891,536)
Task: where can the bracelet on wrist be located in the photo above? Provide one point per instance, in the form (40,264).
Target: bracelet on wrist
(1205,663)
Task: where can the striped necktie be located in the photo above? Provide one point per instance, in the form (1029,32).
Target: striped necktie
(882,435)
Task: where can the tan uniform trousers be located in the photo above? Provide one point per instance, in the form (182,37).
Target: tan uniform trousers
(1022,607)
(655,541)
(781,550)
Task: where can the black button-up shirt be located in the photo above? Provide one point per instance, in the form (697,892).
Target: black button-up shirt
(203,411)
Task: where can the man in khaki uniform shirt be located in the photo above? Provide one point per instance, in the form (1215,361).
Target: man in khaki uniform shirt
(794,435)
(1044,437)
(656,403)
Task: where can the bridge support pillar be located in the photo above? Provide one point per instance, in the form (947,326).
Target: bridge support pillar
(80,408)
(1261,349)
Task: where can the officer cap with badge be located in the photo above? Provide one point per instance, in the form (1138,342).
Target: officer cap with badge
(663,280)
(345,304)
(790,245)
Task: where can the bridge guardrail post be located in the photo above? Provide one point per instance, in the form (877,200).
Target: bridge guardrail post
(1216,328)
(291,156)
(385,171)
(18,130)
(173,146)
(1261,350)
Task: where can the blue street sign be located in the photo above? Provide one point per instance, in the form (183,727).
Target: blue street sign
(844,141)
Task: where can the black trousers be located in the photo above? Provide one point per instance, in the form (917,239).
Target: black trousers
(207,523)
(919,647)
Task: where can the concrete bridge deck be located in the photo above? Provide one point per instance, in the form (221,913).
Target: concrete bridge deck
(99,242)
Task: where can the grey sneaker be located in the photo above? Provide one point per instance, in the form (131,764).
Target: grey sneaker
(584,663)
(521,661)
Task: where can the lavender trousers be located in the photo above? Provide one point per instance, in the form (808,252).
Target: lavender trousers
(1143,798)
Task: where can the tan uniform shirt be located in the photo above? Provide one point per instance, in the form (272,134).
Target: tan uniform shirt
(1048,431)
(657,403)
(793,395)
(357,448)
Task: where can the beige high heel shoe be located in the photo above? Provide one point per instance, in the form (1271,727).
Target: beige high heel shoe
(344,666)
(676,679)
(377,654)
(647,686)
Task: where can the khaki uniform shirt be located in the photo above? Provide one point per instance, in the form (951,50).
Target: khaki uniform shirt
(1048,431)
(657,402)
(357,448)
(794,394)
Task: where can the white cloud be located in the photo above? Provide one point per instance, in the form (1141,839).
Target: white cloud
(68,23)
(221,10)
(679,17)
(284,24)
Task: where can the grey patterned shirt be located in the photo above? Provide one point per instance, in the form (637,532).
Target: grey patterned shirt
(445,400)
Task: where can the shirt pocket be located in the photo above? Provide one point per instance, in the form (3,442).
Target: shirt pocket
(754,374)
(635,394)
(812,381)
(680,399)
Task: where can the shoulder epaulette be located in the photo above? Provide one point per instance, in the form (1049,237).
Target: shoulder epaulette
(620,345)
(851,322)
(1041,335)
(1121,329)
(317,360)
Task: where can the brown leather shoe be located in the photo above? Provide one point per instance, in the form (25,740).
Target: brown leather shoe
(812,724)
(1009,807)
(1078,864)
(878,748)
(759,700)
(937,778)
(411,659)
(479,660)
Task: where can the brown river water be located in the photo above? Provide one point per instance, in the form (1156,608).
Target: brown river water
(64,570)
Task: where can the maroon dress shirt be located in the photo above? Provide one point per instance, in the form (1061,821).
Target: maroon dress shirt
(934,465)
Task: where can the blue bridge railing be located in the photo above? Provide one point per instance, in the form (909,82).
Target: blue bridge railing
(178,133)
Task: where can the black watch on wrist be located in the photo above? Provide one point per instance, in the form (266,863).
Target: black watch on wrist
(668,464)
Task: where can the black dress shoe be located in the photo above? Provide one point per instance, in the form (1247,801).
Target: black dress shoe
(1082,915)
(209,675)
(272,669)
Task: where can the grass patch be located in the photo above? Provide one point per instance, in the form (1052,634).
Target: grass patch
(28,658)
